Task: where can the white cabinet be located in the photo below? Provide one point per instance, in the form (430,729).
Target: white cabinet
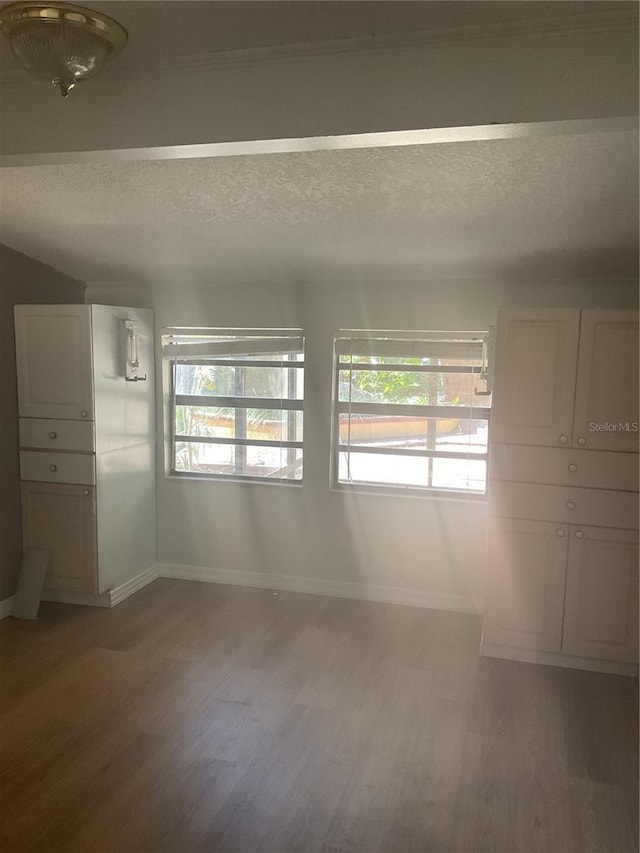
(606,410)
(601,611)
(53,348)
(525,600)
(535,373)
(87,437)
(563,489)
(62,521)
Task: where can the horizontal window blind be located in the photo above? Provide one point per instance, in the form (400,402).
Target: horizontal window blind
(411,410)
(236,402)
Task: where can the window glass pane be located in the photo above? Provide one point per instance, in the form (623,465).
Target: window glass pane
(455,434)
(237,381)
(230,459)
(392,470)
(227,422)
(433,389)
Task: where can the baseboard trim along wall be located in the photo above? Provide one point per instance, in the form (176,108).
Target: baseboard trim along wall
(557,659)
(106,599)
(6,606)
(320,586)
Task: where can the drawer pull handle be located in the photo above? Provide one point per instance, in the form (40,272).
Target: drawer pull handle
(560,532)
(84,413)
(571,505)
(573,468)
(85,492)
(563,439)
(582,441)
(53,467)
(579,534)
(53,435)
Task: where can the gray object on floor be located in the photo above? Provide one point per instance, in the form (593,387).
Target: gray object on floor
(30,584)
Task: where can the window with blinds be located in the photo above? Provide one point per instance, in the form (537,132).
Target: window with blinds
(236,399)
(411,410)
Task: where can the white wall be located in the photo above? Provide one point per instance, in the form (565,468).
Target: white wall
(532,72)
(432,549)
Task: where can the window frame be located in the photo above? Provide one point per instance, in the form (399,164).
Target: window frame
(407,343)
(172,399)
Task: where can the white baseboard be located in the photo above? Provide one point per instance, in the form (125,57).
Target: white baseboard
(320,586)
(106,599)
(119,593)
(558,659)
(6,606)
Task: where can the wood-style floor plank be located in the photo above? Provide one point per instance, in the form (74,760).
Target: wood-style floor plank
(196,717)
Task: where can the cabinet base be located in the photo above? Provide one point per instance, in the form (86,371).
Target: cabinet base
(558,659)
(106,599)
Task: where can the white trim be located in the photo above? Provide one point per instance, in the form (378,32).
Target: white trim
(618,20)
(106,599)
(6,606)
(344,142)
(84,598)
(558,659)
(119,593)
(321,586)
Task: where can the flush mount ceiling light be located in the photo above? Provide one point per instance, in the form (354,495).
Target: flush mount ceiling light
(60,42)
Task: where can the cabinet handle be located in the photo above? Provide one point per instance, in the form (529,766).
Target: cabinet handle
(573,468)
(563,439)
(84,413)
(571,505)
(53,467)
(53,435)
(85,492)
(579,534)
(560,532)
(582,441)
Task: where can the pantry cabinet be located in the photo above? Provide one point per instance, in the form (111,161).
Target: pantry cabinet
(562,582)
(87,438)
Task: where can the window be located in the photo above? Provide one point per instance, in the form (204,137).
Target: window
(411,410)
(235,403)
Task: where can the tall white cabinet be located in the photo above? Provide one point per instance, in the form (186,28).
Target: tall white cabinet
(87,437)
(562,582)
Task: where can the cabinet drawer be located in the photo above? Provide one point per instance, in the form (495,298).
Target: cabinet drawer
(597,507)
(56,434)
(565,467)
(58,467)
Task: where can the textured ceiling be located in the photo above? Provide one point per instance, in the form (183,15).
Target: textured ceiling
(162,31)
(557,207)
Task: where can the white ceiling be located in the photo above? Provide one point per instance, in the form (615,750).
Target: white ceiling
(556,207)
(162,32)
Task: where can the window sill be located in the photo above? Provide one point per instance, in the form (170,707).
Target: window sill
(246,481)
(415,494)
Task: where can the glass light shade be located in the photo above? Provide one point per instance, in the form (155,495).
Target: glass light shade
(59,42)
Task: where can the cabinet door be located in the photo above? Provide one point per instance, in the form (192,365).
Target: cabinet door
(53,349)
(606,412)
(62,520)
(526,578)
(534,376)
(601,609)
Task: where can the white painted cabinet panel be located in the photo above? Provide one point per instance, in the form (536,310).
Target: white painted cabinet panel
(564,456)
(60,519)
(57,434)
(601,612)
(606,410)
(526,571)
(534,376)
(87,438)
(49,467)
(53,346)
(591,469)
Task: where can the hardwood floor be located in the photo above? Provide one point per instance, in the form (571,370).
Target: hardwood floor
(196,717)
